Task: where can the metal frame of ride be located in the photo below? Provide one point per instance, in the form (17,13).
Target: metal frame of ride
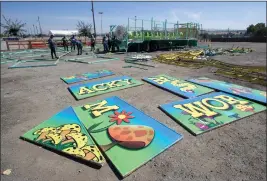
(140,30)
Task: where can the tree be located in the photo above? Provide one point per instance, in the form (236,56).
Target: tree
(13,28)
(258,30)
(251,29)
(84,29)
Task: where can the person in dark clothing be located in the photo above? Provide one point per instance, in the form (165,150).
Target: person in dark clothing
(65,43)
(92,43)
(79,47)
(109,42)
(52,46)
(73,43)
(105,43)
(114,44)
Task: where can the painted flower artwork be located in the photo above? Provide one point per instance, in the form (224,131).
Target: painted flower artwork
(121,117)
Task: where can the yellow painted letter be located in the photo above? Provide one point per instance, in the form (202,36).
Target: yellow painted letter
(128,81)
(95,87)
(196,111)
(159,80)
(230,100)
(223,107)
(113,84)
(84,90)
(99,108)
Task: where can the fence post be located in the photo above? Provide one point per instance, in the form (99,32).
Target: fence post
(30,44)
(7,45)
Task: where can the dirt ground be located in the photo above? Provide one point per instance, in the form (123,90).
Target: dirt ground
(31,95)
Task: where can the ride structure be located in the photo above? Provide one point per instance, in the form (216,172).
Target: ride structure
(152,35)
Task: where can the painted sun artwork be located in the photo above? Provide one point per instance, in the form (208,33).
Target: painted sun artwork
(65,133)
(245,92)
(90,89)
(178,86)
(206,112)
(87,76)
(128,137)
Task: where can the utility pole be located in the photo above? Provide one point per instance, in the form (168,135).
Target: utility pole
(101,21)
(34,30)
(134,23)
(93,16)
(40,27)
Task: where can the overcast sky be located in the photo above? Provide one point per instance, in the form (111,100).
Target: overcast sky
(64,15)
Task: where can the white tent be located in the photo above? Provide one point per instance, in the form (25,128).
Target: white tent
(58,33)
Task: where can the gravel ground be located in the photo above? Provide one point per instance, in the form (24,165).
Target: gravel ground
(28,96)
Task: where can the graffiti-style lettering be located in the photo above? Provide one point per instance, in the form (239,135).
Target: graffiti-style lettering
(98,109)
(231,100)
(223,107)
(196,111)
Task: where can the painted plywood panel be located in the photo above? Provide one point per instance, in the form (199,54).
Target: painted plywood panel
(128,137)
(65,133)
(90,89)
(204,113)
(86,76)
(245,92)
(178,86)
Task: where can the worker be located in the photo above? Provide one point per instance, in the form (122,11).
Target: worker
(114,44)
(109,42)
(92,42)
(79,47)
(65,43)
(105,43)
(73,42)
(52,46)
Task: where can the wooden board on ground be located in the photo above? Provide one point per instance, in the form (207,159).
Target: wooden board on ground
(128,137)
(65,133)
(245,92)
(206,112)
(178,86)
(90,89)
(87,76)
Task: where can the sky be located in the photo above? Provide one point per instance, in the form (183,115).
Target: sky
(65,15)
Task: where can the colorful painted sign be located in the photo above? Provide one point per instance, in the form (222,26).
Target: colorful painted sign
(65,133)
(245,92)
(210,111)
(90,89)
(178,86)
(127,136)
(87,76)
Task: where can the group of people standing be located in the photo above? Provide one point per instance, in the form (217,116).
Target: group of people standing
(110,44)
(73,42)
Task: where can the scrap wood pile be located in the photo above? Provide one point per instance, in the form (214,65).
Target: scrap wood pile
(193,59)
(230,51)
(136,59)
(254,74)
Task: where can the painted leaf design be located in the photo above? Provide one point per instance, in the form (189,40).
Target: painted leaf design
(131,136)
(94,126)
